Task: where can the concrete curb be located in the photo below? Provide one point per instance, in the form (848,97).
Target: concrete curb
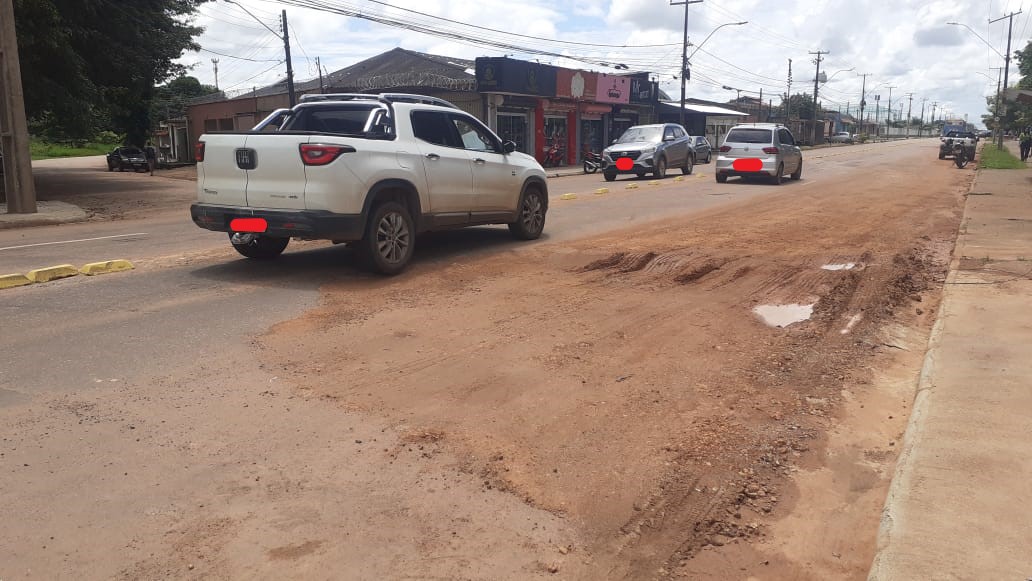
(52,273)
(41,275)
(13,280)
(106,267)
(901,478)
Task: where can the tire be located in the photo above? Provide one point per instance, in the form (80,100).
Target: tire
(110,167)
(709,157)
(942,155)
(530,219)
(688,166)
(610,176)
(390,239)
(778,173)
(257,246)
(798,173)
(121,168)
(590,167)
(660,171)
(721,178)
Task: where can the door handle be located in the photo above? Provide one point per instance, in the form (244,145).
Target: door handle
(480,161)
(433,156)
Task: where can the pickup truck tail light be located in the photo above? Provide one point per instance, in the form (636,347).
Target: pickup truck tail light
(319,154)
(198,151)
(725,149)
(770,150)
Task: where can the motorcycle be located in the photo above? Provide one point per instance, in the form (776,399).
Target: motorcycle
(554,156)
(592,162)
(960,154)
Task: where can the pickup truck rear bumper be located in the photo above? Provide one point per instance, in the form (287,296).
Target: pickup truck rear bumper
(316,224)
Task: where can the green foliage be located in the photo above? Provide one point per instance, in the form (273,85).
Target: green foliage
(996,158)
(93,65)
(170,99)
(43,149)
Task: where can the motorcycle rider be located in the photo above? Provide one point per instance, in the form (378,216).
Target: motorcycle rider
(1025,141)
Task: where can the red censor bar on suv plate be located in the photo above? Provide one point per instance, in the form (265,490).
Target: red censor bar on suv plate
(248,225)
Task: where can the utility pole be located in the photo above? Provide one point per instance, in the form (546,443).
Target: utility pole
(889,108)
(788,101)
(19,191)
(319,66)
(816,77)
(910,109)
(863,101)
(935,105)
(215,65)
(920,128)
(290,68)
(684,51)
(877,116)
(996,113)
(1006,59)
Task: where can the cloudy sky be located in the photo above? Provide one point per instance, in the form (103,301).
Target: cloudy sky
(905,44)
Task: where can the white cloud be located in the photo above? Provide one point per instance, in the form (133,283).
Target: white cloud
(906,43)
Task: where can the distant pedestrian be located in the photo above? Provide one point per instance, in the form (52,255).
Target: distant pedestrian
(1025,141)
(152,156)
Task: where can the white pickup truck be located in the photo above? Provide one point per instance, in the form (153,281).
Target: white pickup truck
(372,170)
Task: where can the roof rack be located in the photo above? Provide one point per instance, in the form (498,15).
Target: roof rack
(382,97)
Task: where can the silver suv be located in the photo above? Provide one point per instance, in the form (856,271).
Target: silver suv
(651,149)
(766,149)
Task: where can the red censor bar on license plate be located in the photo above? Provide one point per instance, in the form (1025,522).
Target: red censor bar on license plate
(624,163)
(747,164)
(248,225)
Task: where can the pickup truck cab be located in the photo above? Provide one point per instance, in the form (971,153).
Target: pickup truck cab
(372,170)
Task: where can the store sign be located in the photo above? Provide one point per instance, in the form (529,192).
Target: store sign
(579,85)
(505,75)
(643,90)
(557,106)
(613,89)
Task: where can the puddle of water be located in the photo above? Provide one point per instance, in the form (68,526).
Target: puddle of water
(852,323)
(784,315)
(844,266)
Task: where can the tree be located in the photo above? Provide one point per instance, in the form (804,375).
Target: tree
(802,105)
(170,99)
(93,65)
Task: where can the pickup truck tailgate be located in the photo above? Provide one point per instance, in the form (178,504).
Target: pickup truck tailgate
(219,180)
(277,179)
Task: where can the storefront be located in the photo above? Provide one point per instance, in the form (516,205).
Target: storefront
(544,109)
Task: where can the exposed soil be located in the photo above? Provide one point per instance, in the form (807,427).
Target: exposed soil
(623,384)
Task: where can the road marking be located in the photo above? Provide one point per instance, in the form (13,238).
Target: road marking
(73,241)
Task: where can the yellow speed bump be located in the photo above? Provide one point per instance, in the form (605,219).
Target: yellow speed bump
(568,197)
(601,191)
(679,179)
(701,175)
(52,273)
(105,267)
(632,186)
(13,280)
(654,183)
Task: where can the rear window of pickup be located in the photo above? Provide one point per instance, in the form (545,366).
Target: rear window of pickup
(346,119)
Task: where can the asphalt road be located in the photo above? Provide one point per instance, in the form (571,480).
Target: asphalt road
(168,235)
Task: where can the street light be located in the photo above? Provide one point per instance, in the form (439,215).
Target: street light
(979,37)
(684,47)
(837,72)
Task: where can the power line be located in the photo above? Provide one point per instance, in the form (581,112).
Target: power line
(215,52)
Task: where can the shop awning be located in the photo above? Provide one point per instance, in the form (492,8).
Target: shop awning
(704,109)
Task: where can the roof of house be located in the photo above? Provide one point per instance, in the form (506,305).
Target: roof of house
(400,68)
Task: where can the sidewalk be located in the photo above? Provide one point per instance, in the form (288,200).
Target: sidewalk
(958,507)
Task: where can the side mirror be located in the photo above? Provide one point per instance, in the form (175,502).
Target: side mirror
(668,138)
(615,140)
(509,146)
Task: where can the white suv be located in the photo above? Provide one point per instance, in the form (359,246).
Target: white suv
(364,169)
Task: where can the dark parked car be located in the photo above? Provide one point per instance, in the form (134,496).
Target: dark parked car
(703,151)
(122,158)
